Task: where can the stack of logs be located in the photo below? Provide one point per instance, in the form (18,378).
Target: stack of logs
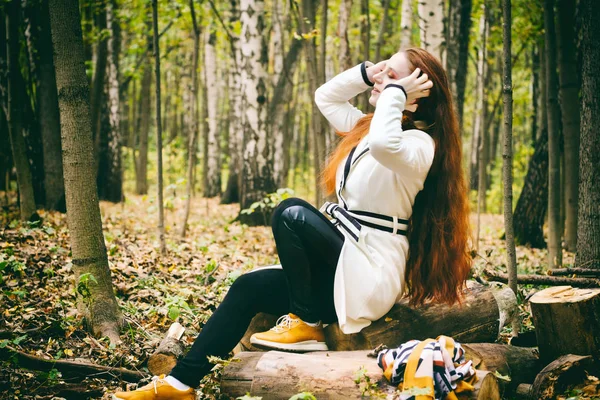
(565,318)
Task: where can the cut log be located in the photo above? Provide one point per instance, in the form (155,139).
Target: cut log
(558,376)
(519,364)
(70,369)
(567,321)
(170,349)
(529,279)
(333,375)
(479,319)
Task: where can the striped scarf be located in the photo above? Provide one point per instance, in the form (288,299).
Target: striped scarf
(429,369)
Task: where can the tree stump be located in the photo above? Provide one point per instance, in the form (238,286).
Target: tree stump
(478,319)
(333,375)
(567,321)
(170,349)
(559,375)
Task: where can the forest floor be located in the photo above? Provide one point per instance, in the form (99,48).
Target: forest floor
(38,306)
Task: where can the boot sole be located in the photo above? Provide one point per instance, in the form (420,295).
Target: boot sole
(307,345)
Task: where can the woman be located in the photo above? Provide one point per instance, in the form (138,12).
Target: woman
(402,162)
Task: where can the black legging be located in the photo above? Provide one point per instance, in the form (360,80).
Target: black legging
(309,246)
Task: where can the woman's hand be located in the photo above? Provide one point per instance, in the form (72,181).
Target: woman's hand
(373,69)
(416,87)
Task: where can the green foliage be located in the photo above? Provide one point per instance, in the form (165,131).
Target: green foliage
(83,285)
(366,386)
(269,202)
(176,305)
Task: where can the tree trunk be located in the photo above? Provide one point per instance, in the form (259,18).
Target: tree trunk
(535,90)
(90,263)
(530,211)
(345,60)
(365,33)
(381,32)
(431,25)
(161,205)
(318,123)
(588,225)
(110,175)
(141,181)
(507,155)
(542,103)
(257,163)
(276,122)
(481,117)
(569,106)
(232,191)
(282,96)
(566,321)
(99,75)
(457,52)
(15,113)
(193,126)
(553,113)
(407,24)
(212,173)
(48,116)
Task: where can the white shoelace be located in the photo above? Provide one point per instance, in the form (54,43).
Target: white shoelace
(283,323)
(155,380)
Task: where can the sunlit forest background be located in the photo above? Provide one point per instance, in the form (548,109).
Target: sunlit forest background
(144,145)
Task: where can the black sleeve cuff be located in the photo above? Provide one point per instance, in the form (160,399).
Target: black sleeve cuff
(397,86)
(363,71)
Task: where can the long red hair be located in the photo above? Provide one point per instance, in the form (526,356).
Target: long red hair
(439,262)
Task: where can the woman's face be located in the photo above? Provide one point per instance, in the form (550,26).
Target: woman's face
(388,71)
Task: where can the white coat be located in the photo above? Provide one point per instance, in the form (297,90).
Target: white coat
(385,179)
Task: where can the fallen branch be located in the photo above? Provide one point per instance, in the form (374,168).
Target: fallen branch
(543,279)
(574,271)
(69,368)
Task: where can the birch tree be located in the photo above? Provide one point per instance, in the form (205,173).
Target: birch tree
(212,177)
(161,205)
(480,117)
(236,134)
(345,61)
(406,20)
(507,153)
(431,26)
(257,174)
(90,263)
(193,114)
